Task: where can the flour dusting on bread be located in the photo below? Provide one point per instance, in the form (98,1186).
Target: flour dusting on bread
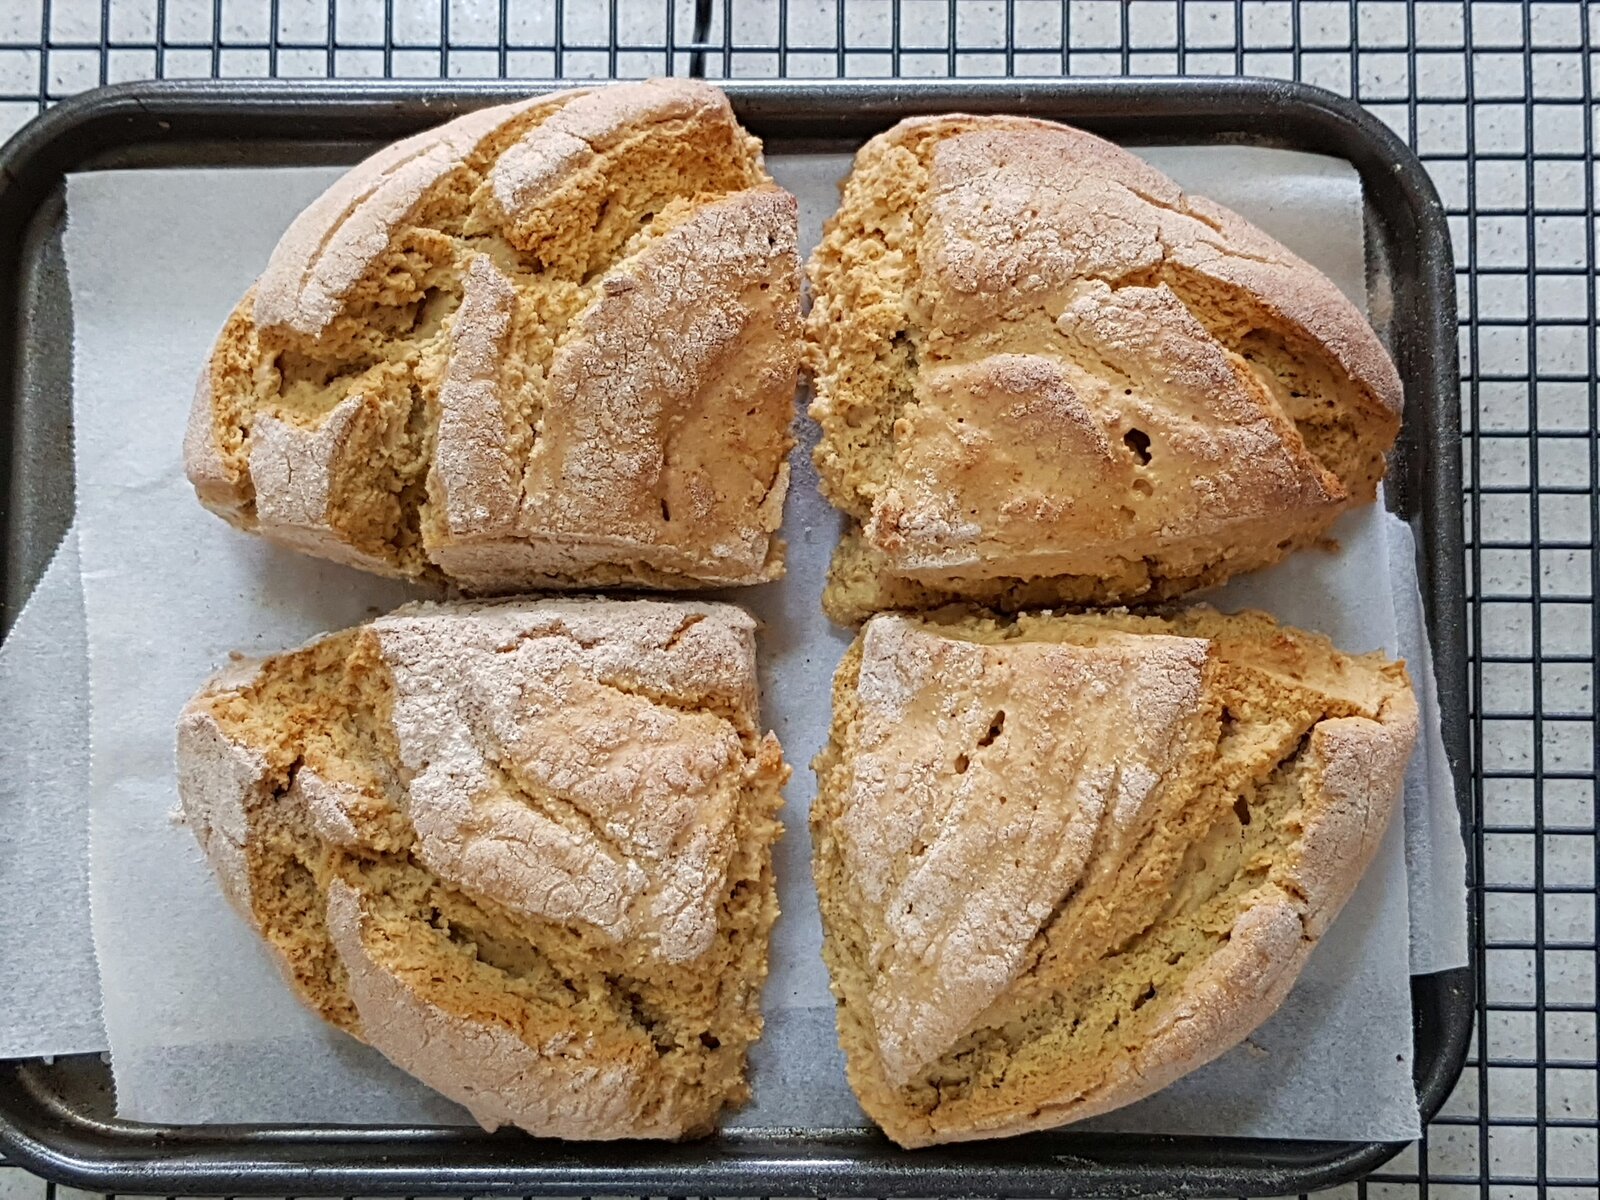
(1044,374)
(1063,860)
(549,344)
(523,849)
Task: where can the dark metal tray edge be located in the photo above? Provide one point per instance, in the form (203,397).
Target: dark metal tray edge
(132,124)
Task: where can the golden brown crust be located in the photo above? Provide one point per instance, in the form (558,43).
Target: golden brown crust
(552,343)
(1045,374)
(1064,860)
(523,849)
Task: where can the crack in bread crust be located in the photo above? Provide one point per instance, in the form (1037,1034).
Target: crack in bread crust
(1045,375)
(476,839)
(1062,860)
(422,383)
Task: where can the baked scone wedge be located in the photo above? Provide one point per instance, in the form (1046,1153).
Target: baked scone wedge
(549,344)
(1063,860)
(1045,375)
(523,849)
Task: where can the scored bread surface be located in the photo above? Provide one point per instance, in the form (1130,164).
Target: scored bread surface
(552,343)
(1064,860)
(522,849)
(1043,373)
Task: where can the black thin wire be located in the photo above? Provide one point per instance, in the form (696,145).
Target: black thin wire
(1536,608)
(561,37)
(1593,313)
(105,40)
(951,62)
(444,38)
(783,40)
(1475,618)
(1295,51)
(896,46)
(388,38)
(1127,52)
(1011,37)
(1424,1172)
(839,35)
(1183,39)
(1238,37)
(505,39)
(611,42)
(44,54)
(1066,38)
(701,34)
(216,40)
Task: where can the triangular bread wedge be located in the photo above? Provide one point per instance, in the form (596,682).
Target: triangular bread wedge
(548,344)
(1063,860)
(1044,374)
(522,849)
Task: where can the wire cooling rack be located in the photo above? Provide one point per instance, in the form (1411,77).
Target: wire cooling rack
(1498,100)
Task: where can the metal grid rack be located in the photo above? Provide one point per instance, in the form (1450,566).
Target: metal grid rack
(1498,99)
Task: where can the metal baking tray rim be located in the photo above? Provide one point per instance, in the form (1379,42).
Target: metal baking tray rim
(149,123)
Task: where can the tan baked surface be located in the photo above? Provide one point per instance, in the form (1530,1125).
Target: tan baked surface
(548,344)
(523,849)
(1063,860)
(1045,374)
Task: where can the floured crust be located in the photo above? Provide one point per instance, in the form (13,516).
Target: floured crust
(202,457)
(218,779)
(576,137)
(940,960)
(344,232)
(552,343)
(479,484)
(1045,374)
(572,703)
(523,849)
(1063,861)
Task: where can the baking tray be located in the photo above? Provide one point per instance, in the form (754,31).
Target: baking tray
(57,1117)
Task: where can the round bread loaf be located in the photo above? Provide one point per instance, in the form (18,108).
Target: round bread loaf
(523,849)
(548,344)
(1044,374)
(1064,860)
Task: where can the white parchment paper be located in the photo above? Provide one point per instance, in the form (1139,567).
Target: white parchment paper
(49,987)
(191,1009)
(1436,857)
(156,259)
